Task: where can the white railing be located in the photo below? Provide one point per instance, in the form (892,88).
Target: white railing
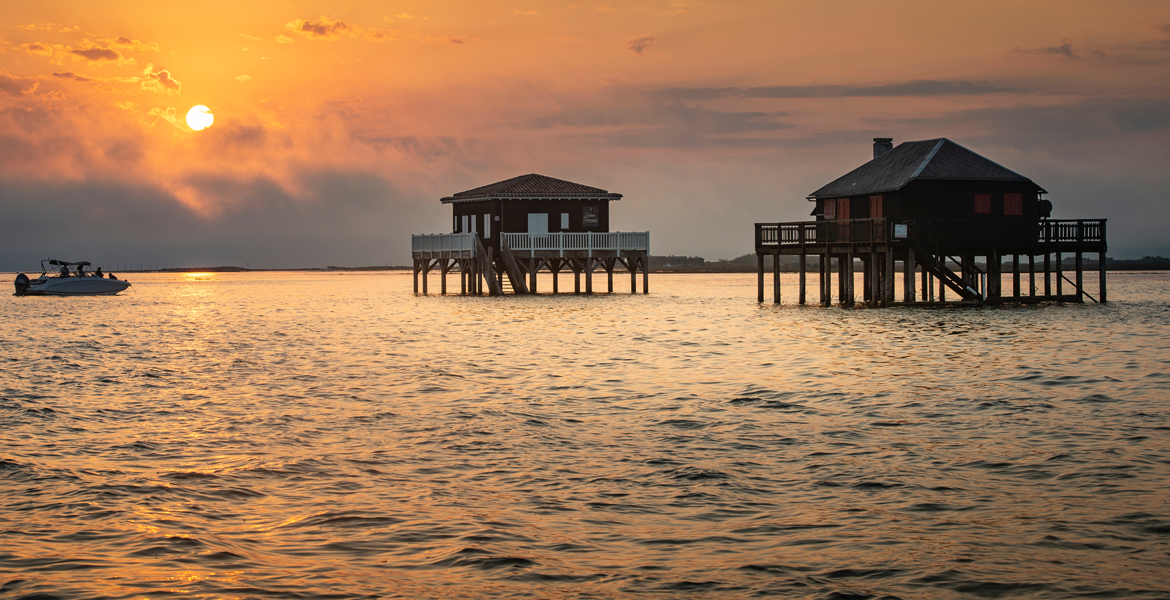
(588,241)
(443,242)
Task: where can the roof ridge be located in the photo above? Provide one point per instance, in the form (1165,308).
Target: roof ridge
(929,157)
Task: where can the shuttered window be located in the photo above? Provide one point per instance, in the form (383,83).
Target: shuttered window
(875,207)
(1013,204)
(983,204)
(830,209)
(843,208)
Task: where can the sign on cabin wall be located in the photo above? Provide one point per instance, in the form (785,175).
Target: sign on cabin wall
(590,216)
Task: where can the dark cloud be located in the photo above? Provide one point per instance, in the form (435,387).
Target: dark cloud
(322,29)
(12,84)
(920,87)
(71,75)
(1164,28)
(114,224)
(1064,50)
(98,54)
(648,121)
(38,48)
(641,44)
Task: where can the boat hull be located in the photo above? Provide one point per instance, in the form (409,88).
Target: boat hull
(76,286)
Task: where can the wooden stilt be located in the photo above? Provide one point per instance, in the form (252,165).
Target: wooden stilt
(1015,275)
(1101,260)
(645,260)
(533,267)
(826,286)
(1031,274)
(415,275)
(1059,274)
(554,265)
(443,276)
(847,264)
(1048,274)
(841,280)
(942,288)
(609,272)
(1080,266)
(463,273)
(426,271)
(909,294)
(801,293)
(926,294)
(760,278)
(776,278)
(588,275)
(632,266)
(888,276)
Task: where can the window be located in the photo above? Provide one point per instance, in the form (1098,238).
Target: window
(1013,204)
(464,229)
(487,226)
(830,209)
(455,225)
(983,204)
(875,207)
(564,220)
(473,220)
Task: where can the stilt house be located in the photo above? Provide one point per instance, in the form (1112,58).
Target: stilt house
(505,233)
(940,208)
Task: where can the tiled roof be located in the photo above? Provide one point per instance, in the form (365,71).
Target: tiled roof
(928,159)
(532,186)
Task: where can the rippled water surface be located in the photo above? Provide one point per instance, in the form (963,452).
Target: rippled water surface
(333,435)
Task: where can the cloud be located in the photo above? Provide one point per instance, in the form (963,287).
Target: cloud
(98,54)
(16,85)
(38,49)
(458,40)
(71,76)
(406,17)
(322,29)
(639,45)
(920,88)
(169,115)
(1165,29)
(243,78)
(1064,50)
(602,8)
(523,12)
(283,39)
(129,44)
(159,82)
(249,37)
(621,114)
(381,35)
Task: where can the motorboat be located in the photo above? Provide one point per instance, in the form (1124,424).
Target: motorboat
(71,279)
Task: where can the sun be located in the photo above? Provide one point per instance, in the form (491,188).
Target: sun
(200,117)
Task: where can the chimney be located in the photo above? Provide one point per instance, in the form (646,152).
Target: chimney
(882,145)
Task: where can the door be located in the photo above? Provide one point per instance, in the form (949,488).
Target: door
(537,222)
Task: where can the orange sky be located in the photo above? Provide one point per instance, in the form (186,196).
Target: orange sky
(338,126)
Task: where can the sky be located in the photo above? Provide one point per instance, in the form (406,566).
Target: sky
(340,125)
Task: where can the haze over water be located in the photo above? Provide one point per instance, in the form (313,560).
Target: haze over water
(333,435)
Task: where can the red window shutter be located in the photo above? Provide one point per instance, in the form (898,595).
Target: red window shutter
(830,209)
(1013,204)
(843,208)
(983,204)
(875,207)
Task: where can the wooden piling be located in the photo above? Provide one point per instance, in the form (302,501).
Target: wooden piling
(775,279)
(760,278)
(800,293)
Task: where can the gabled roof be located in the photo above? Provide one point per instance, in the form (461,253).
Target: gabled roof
(928,159)
(532,186)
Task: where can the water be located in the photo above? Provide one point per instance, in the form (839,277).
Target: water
(332,435)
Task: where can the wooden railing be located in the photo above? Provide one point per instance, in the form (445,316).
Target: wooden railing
(443,242)
(957,233)
(586,241)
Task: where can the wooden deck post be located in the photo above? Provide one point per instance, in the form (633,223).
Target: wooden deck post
(609,272)
(841,291)
(942,287)
(463,273)
(800,293)
(1015,275)
(589,275)
(533,267)
(554,265)
(759,278)
(826,284)
(415,275)
(888,284)
(425,272)
(1080,266)
(776,277)
(848,299)
(443,268)
(575,263)
(632,266)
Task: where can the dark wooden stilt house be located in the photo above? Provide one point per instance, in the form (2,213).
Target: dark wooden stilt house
(505,233)
(936,208)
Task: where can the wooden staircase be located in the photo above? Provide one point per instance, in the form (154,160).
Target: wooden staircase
(515,278)
(486,270)
(932,252)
